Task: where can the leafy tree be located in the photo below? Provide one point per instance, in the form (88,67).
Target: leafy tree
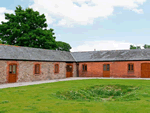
(146,46)
(138,47)
(63,46)
(134,47)
(27,28)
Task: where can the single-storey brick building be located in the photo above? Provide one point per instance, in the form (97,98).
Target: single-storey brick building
(24,64)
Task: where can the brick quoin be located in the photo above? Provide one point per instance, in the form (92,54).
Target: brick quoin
(117,69)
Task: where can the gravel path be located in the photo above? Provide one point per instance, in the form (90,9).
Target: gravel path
(56,80)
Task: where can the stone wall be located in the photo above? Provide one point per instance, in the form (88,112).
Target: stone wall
(47,71)
(3,75)
(25,71)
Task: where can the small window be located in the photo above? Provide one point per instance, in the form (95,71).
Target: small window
(56,68)
(130,67)
(84,67)
(14,69)
(37,68)
(10,68)
(104,67)
(107,67)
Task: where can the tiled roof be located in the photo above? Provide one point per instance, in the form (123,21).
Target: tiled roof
(113,55)
(27,53)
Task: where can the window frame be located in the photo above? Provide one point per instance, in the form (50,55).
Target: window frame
(11,68)
(56,71)
(84,67)
(129,67)
(35,69)
(106,67)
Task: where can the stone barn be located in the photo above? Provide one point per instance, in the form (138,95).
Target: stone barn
(25,64)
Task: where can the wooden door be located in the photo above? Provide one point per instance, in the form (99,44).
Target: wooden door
(69,70)
(106,70)
(12,73)
(145,70)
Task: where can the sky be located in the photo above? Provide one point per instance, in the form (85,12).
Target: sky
(92,24)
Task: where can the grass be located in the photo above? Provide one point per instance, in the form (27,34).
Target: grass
(101,93)
(78,96)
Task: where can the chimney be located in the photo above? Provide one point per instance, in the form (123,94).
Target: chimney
(94,49)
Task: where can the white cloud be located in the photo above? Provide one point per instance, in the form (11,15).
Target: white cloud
(69,13)
(2,15)
(140,11)
(104,45)
(57,35)
(49,19)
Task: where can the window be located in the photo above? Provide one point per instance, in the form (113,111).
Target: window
(56,68)
(12,69)
(69,68)
(106,67)
(37,68)
(84,67)
(130,67)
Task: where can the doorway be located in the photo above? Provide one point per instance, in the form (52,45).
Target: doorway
(12,73)
(106,70)
(69,70)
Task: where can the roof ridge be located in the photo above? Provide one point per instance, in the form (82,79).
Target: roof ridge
(112,50)
(10,45)
(31,47)
(73,57)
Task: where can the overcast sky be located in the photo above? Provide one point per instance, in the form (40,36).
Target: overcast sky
(92,24)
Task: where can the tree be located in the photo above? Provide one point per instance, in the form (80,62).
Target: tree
(146,46)
(138,47)
(27,28)
(134,47)
(63,46)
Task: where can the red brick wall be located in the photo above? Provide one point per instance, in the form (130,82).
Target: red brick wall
(117,69)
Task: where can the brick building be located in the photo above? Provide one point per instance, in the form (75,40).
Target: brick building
(24,64)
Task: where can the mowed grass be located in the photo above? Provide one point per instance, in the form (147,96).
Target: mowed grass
(41,98)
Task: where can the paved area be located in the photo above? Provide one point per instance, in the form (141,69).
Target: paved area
(56,80)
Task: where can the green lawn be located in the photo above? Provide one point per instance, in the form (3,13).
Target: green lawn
(41,98)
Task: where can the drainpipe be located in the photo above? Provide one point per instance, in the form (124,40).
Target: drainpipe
(77,69)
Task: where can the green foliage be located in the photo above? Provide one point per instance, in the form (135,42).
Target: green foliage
(138,47)
(63,46)
(5,101)
(99,93)
(146,46)
(27,28)
(134,47)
